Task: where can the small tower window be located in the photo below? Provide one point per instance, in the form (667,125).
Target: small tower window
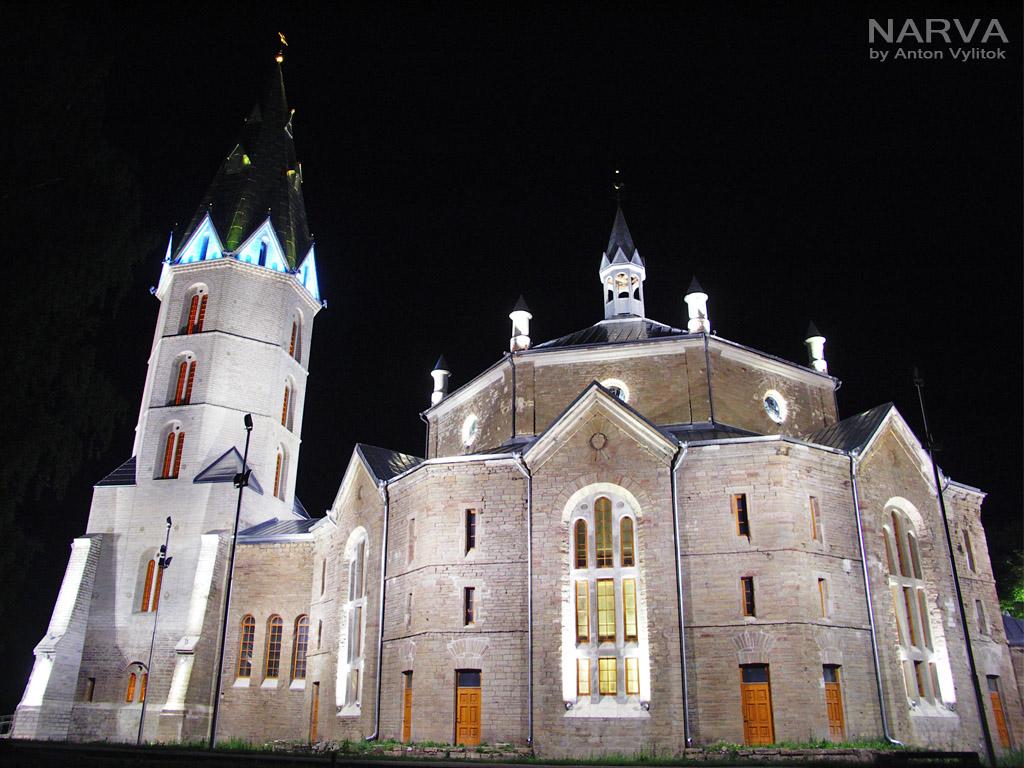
(470,530)
(135,689)
(739,510)
(288,406)
(280,472)
(969,552)
(295,338)
(174,444)
(747,587)
(194,310)
(184,379)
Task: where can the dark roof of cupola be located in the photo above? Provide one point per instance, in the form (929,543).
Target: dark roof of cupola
(614,332)
(260,176)
(621,239)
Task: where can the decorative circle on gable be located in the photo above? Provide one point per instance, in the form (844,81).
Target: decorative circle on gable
(470,428)
(775,406)
(598,441)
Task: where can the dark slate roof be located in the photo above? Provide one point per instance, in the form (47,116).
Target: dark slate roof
(123,475)
(852,434)
(1014,631)
(241,194)
(385,463)
(271,528)
(224,468)
(691,433)
(516,444)
(621,238)
(614,332)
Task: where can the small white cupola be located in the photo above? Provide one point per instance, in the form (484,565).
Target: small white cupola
(622,273)
(816,348)
(440,375)
(697,309)
(520,317)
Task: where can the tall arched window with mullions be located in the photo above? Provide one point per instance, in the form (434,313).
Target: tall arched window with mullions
(183,377)
(193,313)
(173,445)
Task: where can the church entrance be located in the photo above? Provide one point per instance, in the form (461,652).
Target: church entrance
(467,707)
(756,700)
(834,702)
(407,707)
(997,711)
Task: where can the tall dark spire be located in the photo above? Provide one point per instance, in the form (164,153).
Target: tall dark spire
(260,176)
(620,238)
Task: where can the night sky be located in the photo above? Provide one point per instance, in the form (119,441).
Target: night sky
(454,158)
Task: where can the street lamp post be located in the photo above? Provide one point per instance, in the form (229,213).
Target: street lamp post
(162,563)
(241,481)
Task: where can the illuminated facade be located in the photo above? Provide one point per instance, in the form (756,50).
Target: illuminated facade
(631,537)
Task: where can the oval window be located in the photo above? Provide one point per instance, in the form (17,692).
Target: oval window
(775,406)
(470,428)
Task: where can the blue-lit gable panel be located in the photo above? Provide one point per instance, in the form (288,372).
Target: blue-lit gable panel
(263,249)
(204,244)
(307,274)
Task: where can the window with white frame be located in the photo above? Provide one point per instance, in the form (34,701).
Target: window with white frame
(608,630)
(353,629)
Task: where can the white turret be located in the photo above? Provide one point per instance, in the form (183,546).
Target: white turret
(520,317)
(622,273)
(816,349)
(697,309)
(440,375)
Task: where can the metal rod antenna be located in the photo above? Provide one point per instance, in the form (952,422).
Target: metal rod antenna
(162,563)
(979,699)
(241,481)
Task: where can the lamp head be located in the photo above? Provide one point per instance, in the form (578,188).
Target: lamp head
(248,422)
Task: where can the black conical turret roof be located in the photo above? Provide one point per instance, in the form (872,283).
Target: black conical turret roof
(520,305)
(621,238)
(260,176)
(695,287)
(441,364)
(812,331)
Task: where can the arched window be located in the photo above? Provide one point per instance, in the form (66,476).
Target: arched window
(606,596)
(626,542)
(174,444)
(300,640)
(151,586)
(272,658)
(280,472)
(353,618)
(914,628)
(246,642)
(581,543)
(288,406)
(295,339)
(194,310)
(184,376)
(135,688)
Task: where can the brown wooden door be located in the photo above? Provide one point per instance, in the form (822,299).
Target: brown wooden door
(834,703)
(407,708)
(314,714)
(997,711)
(757,713)
(467,716)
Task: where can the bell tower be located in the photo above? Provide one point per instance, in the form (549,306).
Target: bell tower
(622,273)
(238,295)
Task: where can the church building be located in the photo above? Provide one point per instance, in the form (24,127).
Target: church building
(633,537)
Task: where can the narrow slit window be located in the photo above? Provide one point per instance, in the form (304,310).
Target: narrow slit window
(278,480)
(887,538)
(582,612)
(979,610)
(606,673)
(90,688)
(815,518)
(580,534)
(157,586)
(179,387)
(739,508)
(469,603)
(915,556)
(823,597)
(142,686)
(168,455)
(626,540)
(193,309)
(897,531)
(747,585)
(926,631)
(582,677)
(284,405)
(147,586)
(629,609)
(410,552)
(908,604)
(605,610)
(603,532)
(470,530)
(201,318)
(969,551)
(632,676)
(129,694)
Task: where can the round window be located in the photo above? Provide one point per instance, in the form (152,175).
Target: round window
(775,406)
(470,427)
(618,388)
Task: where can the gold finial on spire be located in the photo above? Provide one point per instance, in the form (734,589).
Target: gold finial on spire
(618,185)
(280,51)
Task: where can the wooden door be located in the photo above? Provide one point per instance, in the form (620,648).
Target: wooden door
(756,700)
(997,711)
(407,708)
(834,704)
(314,714)
(467,708)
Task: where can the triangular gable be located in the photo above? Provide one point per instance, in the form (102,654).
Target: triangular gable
(356,460)
(204,244)
(597,398)
(306,274)
(894,420)
(224,468)
(263,249)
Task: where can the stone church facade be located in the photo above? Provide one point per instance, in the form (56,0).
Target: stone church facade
(632,537)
